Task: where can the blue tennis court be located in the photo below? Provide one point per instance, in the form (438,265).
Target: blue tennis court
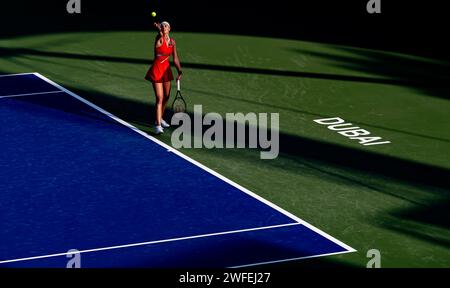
(73,176)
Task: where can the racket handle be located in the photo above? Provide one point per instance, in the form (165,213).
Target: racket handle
(178,85)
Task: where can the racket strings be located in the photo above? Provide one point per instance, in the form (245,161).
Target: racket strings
(179,105)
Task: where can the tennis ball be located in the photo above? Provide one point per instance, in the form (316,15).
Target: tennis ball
(153,14)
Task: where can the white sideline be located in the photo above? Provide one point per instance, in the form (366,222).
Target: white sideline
(18,74)
(29,94)
(147,243)
(290,259)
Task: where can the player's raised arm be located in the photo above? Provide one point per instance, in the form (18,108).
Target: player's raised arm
(158,27)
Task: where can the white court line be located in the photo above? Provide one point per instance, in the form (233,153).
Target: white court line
(28,94)
(149,243)
(18,74)
(171,149)
(290,259)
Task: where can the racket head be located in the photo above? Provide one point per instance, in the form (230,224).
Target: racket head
(179,105)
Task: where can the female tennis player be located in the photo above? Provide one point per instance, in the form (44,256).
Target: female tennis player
(160,73)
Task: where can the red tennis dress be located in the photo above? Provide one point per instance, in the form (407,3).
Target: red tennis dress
(160,70)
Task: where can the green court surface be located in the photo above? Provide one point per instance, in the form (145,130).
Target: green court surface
(393,197)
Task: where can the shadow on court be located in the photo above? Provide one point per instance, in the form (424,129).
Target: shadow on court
(429,223)
(292,145)
(297,146)
(401,80)
(430,77)
(220,253)
(295,110)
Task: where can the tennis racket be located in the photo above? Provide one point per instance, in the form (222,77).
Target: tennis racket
(179,105)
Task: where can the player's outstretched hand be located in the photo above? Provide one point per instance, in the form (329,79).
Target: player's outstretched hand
(157,25)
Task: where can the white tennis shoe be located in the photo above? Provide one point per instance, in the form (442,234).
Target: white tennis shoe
(159,129)
(164,124)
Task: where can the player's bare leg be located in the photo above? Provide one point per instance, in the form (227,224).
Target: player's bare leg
(159,94)
(166,88)
(166,96)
